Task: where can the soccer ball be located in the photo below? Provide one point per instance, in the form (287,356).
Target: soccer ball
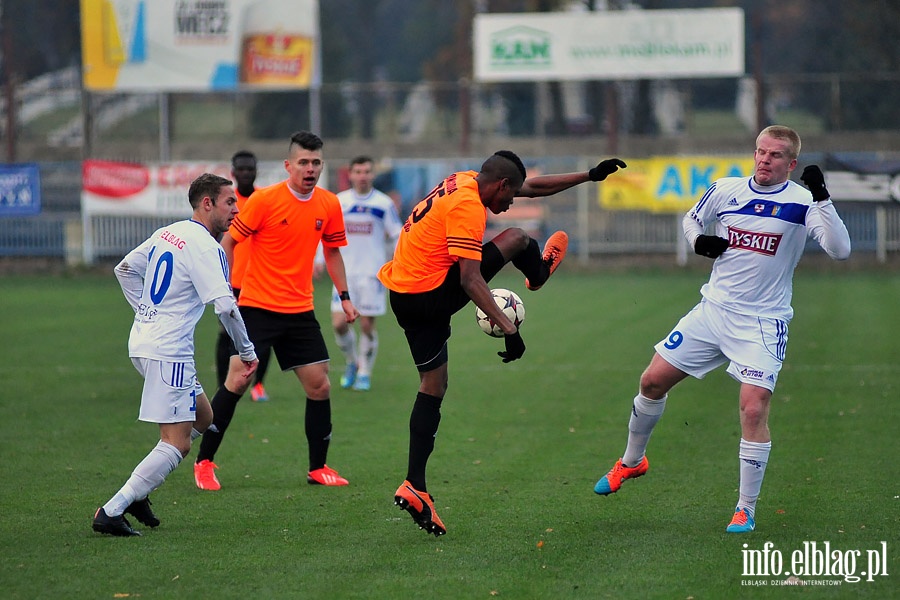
(510,303)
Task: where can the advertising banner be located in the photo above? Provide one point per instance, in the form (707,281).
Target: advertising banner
(615,45)
(158,190)
(199,45)
(20,190)
(667,184)
(862,186)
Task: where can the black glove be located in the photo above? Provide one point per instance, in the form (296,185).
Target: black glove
(710,246)
(606,167)
(815,181)
(515,347)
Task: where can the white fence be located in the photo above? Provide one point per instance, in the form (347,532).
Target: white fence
(594,233)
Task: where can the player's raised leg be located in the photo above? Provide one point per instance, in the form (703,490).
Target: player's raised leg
(646,410)
(516,246)
(554,252)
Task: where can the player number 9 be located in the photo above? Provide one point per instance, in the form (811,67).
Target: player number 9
(674,340)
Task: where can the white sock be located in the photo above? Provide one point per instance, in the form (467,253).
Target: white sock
(347,345)
(195,434)
(644,415)
(368,350)
(753,458)
(146,477)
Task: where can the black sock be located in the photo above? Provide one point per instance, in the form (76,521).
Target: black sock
(223,357)
(531,263)
(223,405)
(423,426)
(318,431)
(262,367)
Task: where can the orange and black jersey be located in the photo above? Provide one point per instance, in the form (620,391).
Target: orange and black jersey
(445,226)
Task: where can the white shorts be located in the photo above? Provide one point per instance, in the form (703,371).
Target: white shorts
(367,294)
(170,391)
(710,336)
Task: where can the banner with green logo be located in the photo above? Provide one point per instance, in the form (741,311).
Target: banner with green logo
(635,44)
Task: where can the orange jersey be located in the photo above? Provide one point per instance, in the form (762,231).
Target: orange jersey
(444,227)
(284,232)
(241,251)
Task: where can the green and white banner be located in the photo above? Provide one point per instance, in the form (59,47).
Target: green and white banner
(619,45)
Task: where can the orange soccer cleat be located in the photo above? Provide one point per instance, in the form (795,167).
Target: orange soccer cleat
(420,505)
(554,253)
(612,481)
(205,476)
(325,476)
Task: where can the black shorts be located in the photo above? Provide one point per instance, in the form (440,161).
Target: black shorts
(425,317)
(295,337)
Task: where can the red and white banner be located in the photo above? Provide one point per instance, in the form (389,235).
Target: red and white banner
(154,189)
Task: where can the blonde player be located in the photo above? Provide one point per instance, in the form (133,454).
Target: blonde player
(761,224)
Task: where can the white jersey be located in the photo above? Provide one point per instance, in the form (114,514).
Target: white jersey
(370,221)
(183,269)
(767,229)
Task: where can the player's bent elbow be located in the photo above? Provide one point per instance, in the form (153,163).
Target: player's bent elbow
(842,253)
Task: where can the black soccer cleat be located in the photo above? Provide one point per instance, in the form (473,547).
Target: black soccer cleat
(143,513)
(118,526)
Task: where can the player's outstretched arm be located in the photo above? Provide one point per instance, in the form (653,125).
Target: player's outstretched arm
(547,185)
(826,227)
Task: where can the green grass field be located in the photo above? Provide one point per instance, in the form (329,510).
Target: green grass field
(519,450)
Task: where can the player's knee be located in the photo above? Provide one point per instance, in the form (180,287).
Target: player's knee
(339,323)
(435,384)
(237,383)
(319,389)
(520,238)
(180,443)
(651,387)
(203,421)
(754,413)
(512,241)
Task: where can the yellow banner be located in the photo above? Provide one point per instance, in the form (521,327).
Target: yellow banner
(667,183)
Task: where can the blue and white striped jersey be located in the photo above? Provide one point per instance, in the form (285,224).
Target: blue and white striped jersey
(767,228)
(371,222)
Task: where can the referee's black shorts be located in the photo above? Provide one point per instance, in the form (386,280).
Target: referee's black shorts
(425,317)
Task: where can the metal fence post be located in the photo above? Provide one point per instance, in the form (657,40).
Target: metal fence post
(583,212)
(681,247)
(881,233)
